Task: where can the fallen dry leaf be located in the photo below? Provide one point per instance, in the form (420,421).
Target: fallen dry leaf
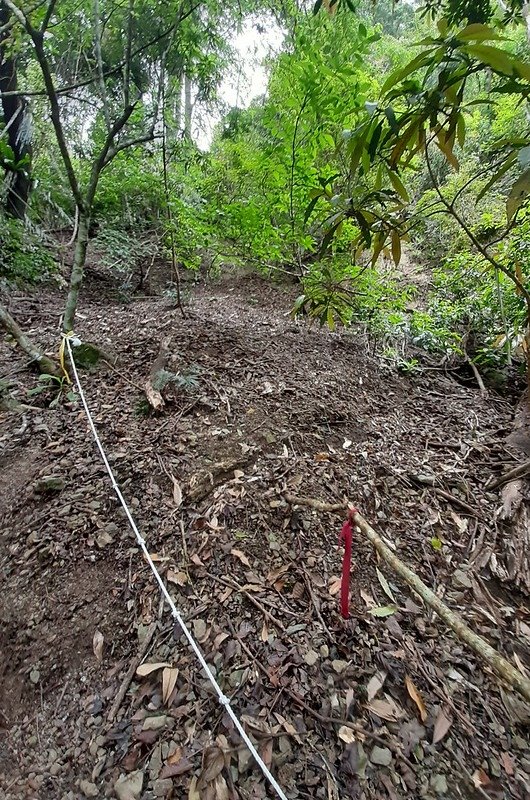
(385,709)
(442,725)
(346,734)
(375,683)
(416,696)
(177,492)
(169,679)
(508,763)
(480,778)
(242,557)
(384,585)
(147,669)
(179,578)
(97,645)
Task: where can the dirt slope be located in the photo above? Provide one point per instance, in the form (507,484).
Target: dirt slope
(268,406)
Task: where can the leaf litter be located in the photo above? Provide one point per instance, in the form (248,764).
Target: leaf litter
(386,704)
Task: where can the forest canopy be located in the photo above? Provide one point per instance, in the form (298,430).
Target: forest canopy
(388,136)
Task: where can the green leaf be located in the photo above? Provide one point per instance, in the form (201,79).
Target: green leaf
(382,611)
(330,319)
(419,61)
(311,207)
(518,194)
(436,543)
(384,585)
(500,172)
(477,32)
(396,247)
(499,60)
(398,185)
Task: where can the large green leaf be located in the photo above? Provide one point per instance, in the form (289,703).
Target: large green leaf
(518,194)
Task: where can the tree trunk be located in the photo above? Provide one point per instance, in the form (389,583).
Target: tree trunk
(78,269)
(188,108)
(17,119)
(45,364)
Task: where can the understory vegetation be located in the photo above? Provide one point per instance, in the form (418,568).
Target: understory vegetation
(385,169)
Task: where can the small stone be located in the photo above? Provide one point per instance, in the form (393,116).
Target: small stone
(129,787)
(162,787)
(439,784)
(381,756)
(89,789)
(55,768)
(154,723)
(103,538)
(461,580)
(34,676)
(339,666)
(311,658)
(32,741)
(49,483)
(324,651)
(495,767)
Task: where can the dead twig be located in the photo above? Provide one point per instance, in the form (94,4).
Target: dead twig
(316,603)
(516,472)
(456,501)
(237,588)
(129,675)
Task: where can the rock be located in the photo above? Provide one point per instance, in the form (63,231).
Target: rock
(154,723)
(461,580)
(129,787)
(89,789)
(55,769)
(34,676)
(339,666)
(103,538)
(381,756)
(49,483)
(439,784)
(311,658)
(155,763)
(162,787)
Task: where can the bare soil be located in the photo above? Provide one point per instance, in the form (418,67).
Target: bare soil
(264,406)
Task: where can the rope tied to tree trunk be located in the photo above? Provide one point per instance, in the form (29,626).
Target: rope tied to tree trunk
(67,340)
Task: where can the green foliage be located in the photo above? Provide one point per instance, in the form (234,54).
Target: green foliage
(23,255)
(55,388)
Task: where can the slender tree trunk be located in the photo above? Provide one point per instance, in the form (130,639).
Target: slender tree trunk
(78,268)
(44,363)
(188,108)
(17,120)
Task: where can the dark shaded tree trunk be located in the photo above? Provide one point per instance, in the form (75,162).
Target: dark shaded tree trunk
(16,118)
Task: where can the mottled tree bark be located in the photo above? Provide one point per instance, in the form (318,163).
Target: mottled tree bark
(17,121)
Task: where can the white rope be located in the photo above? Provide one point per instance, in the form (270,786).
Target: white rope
(223,699)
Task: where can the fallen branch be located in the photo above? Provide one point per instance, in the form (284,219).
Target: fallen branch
(456,501)
(478,377)
(487,653)
(152,387)
(516,472)
(129,675)
(45,364)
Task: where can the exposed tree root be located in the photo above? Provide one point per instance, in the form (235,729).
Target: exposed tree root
(45,364)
